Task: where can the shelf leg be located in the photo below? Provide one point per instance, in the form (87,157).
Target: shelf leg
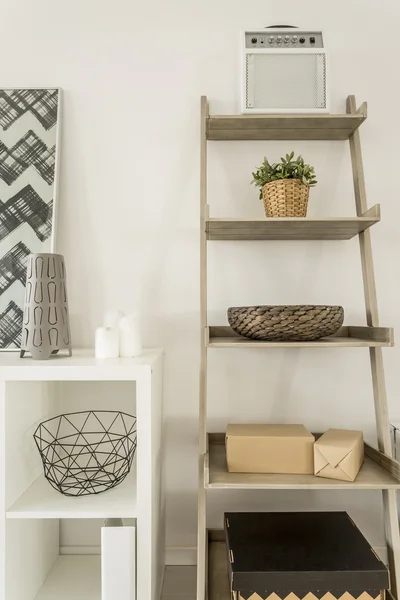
(202,500)
(203,279)
(201,537)
(376,357)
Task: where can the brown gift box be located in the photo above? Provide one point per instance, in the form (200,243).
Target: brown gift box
(269,449)
(339,454)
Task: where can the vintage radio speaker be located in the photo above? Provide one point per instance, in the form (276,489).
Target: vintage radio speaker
(284,71)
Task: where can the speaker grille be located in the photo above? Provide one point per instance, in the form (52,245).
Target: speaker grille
(286,81)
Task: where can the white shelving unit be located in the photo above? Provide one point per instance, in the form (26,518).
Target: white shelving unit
(30,509)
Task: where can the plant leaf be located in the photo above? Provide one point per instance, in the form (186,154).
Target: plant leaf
(288,168)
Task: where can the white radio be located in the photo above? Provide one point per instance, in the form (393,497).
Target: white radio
(284,71)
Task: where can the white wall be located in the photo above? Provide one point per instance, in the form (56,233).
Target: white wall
(132,74)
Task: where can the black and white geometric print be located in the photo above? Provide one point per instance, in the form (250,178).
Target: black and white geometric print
(29,119)
(43,105)
(28,151)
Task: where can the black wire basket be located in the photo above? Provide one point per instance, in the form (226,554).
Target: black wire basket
(87,452)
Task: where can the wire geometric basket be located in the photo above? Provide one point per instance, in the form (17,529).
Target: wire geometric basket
(87,452)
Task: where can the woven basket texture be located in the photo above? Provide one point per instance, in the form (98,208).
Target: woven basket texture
(285,198)
(285,323)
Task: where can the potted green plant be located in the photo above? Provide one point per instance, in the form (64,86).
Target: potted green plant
(285,186)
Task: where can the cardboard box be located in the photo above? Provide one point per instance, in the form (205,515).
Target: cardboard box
(339,454)
(269,449)
(301,556)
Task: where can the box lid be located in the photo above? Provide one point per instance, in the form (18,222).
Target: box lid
(307,551)
(259,430)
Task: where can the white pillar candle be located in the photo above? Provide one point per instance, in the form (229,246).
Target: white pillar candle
(106,343)
(112,318)
(130,338)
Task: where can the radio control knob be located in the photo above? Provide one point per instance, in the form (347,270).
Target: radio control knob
(287,39)
(294,39)
(271,39)
(254,40)
(279,39)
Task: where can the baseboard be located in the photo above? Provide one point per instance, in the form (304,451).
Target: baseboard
(83,550)
(175,555)
(185,555)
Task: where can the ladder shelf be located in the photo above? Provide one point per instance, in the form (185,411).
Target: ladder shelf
(380,471)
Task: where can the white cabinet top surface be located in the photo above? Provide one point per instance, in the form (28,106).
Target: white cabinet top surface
(81,366)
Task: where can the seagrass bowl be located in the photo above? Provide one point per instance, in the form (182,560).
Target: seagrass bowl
(286,323)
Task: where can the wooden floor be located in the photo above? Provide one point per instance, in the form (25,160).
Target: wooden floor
(179,583)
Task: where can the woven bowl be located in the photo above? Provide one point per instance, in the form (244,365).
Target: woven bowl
(86,452)
(285,323)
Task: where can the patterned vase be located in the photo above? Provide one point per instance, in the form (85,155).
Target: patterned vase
(46,321)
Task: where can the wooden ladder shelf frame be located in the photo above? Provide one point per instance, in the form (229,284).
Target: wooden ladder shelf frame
(376,358)
(305,127)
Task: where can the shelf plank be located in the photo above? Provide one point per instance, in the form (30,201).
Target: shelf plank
(346,337)
(372,476)
(77,577)
(41,501)
(179,583)
(284,127)
(291,229)
(81,366)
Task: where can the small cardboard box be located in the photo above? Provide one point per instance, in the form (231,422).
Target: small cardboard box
(269,449)
(301,556)
(339,454)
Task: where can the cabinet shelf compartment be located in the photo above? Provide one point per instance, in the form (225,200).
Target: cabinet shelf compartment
(377,473)
(73,577)
(281,228)
(350,337)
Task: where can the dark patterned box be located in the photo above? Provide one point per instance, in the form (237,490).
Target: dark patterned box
(310,596)
(301,556)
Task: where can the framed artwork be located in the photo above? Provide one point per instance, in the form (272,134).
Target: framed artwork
(29,152)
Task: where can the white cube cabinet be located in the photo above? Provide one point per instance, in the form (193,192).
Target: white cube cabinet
(31,566)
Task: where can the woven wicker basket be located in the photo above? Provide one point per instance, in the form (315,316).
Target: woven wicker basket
(285,323)
(285,198)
